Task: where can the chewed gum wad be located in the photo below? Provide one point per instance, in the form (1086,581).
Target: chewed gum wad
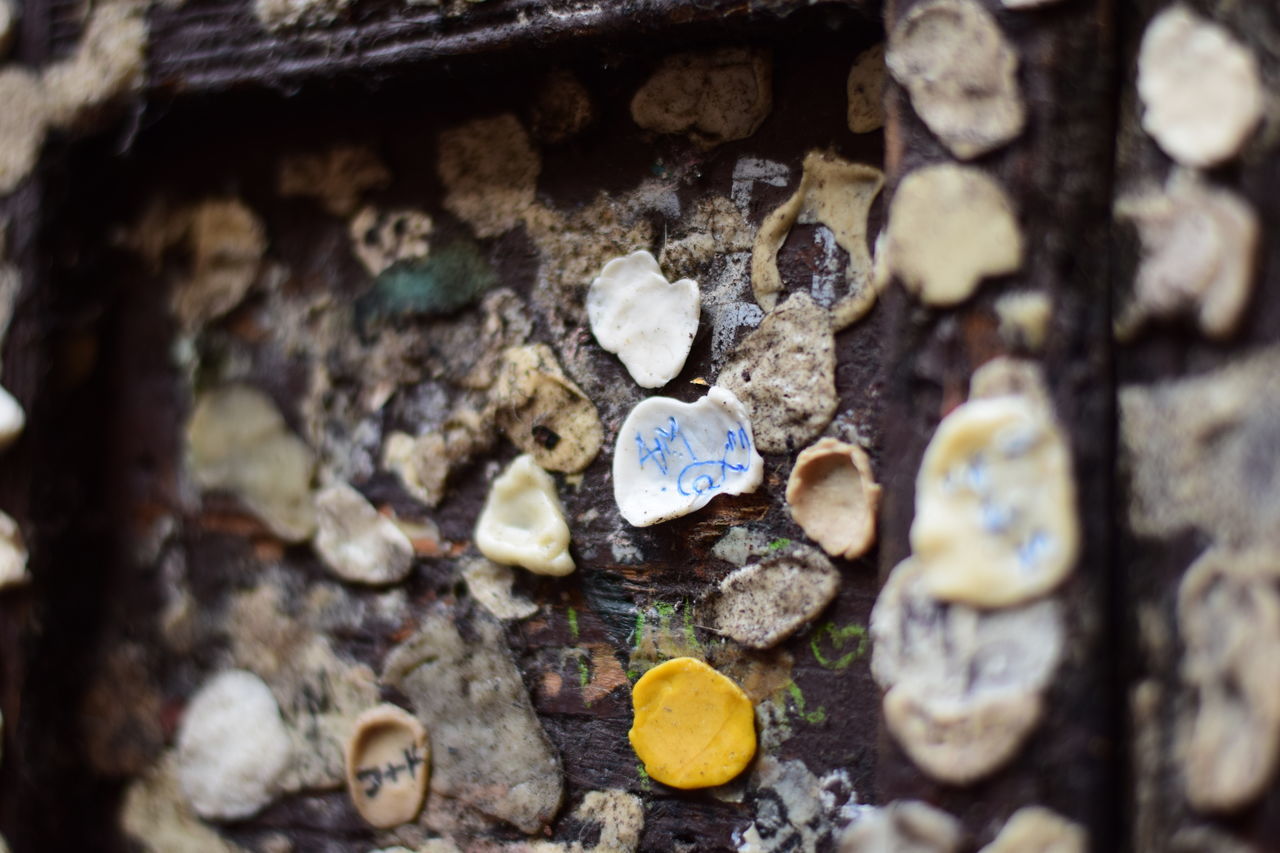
(995,518)
(672,458)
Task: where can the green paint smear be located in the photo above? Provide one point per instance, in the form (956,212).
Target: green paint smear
(779,544)
(818,715)
(584,674)
(690,637)
(573,623)
(453,276)
(632,672)
(839,638)
(671,638)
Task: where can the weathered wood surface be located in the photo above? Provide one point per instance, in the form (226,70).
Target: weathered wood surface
(1056,174)
(123,420)
(205,46)
(1157,699)
(90,354)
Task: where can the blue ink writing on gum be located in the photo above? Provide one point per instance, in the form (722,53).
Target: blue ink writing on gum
(698,475)
(672,457)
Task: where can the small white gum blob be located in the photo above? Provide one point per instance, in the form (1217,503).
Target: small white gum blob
(522,523)
(232,747)
(648,321)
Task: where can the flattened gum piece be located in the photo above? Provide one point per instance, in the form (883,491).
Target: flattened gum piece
(232,747)
(649,321)
(238,441)
(1229,621)
(996,519)
(1025,317)
(13,419)
(961,73)
(1192,445)
(13,553)
(784,372)
(1199,255)
(903,826)
(358,543)
(490,585)
(466,690)
(109,61)
(388,737)
(8,12)
(490,170)
(23,119)
(1227,752)
(835,193)
(834,497)
(950,227)
(1035,829)
(337,178)
(957,657)
(281,14)
(763,604)
(522,522)
(865,91)
(226,241)
(961,746)
(1200,88)
(543,413)
(384,238)
(672,458)
(714,96)
(693,727)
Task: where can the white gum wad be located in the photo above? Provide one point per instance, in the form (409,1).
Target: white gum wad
(672,458)
(522,523)
(995,521)
(647,321)
(1201,89)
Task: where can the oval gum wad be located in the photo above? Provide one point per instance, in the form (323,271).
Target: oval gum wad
(995,517)
(388,766)
(693,727)
(834,497)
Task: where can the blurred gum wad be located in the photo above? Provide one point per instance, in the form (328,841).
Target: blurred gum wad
(963,685)
(996,522)
(1201,89)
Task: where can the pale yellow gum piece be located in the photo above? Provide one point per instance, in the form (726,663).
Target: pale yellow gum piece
(693,727)
(966,558)
(522,522)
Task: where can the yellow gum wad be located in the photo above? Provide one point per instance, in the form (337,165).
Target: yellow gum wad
(693,727)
